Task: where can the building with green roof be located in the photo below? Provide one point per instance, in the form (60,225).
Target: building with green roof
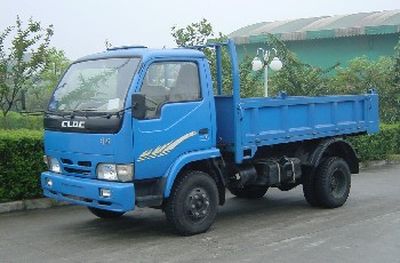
(328,40)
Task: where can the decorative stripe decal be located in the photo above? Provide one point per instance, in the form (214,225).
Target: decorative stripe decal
(165,149)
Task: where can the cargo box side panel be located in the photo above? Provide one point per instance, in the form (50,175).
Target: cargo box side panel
(268,121)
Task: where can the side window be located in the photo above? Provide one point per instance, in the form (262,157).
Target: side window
(170,82)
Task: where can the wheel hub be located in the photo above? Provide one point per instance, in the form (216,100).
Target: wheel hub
(337,184)
(197,204)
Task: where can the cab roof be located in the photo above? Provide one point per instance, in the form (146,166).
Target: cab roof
(145,53)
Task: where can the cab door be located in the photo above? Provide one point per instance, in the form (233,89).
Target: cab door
(178,115)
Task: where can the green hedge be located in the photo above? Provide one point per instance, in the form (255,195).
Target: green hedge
(21,158)
(379,146)
(21,162)
(15,120)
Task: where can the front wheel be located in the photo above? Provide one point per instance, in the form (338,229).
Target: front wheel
(333,182)
(192,205)
(101,213)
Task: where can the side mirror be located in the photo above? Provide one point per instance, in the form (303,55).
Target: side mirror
(138,106)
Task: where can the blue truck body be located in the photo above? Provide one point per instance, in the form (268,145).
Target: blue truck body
(269,121)
(213,131)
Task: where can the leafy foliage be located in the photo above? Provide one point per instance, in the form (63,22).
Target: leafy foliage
(15,120)
(396,67)
(194,34)
(360,75)
(198,34)
(21,158)
(38,96)
(295,77)
(21,161)
(25,59)
(88,88)
(300,79)
(251,86)
(379,146)
(21,151)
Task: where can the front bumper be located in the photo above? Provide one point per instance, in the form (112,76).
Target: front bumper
(86,192)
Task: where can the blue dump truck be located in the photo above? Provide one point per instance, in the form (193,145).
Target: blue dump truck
(138,127)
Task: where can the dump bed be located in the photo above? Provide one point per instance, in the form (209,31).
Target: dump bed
(269,121)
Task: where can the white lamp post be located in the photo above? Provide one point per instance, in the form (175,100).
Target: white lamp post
(257,64)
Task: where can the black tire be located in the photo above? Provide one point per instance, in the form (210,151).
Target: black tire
(192,206)
(309,189)
(101,213)
(333,182)
(249,192)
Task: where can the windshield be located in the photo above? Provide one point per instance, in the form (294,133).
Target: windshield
(94,85)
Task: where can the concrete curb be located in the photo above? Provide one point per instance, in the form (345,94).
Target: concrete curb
(29,204)
(42,203)
(373,164)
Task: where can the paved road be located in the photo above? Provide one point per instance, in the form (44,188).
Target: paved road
(280,228)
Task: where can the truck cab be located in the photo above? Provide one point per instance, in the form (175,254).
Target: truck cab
(138,127)
(92,135)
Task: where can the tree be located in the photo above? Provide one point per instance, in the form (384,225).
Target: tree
(25,59)
(297,78)
(396,67)
(357,77)
(195,34)
(44,83)
(198,34)
(362,74)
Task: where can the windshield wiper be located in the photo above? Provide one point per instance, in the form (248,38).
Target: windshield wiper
(73,113)
(84,110)
(59,113)
(41,112)
(110,114)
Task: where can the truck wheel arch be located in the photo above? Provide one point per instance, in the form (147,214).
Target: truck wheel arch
(203,160)
(335,147)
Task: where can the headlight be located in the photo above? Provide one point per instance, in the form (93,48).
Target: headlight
(53,164)
(115,172)
(107,171)
(125,172)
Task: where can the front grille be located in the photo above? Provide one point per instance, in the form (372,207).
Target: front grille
(76,171)
(85,163)
(86,200)
(81,167)
(78,198)
(66,161)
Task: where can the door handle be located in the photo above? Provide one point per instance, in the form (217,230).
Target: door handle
(203,131)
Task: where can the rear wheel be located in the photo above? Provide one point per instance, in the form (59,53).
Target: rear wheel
(101,213)
(192,205)
(333,182)
(309,189)
(249,191)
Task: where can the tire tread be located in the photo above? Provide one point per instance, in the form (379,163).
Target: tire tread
(170,208)
(322,179)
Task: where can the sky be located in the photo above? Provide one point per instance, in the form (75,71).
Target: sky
(82,26)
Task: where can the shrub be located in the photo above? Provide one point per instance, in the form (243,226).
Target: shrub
(359,75)
(15,120)
(362,74)
(379,146)
(21,162)
(21,158)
